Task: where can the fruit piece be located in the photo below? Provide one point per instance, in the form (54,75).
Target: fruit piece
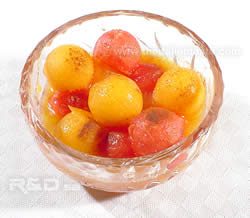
(180,90)
(188,142)
(177,161)
(101,71)
(147,100)
(49,118)
(118,145)
(161,61)
(79,131)
(115,100)
(155,129)
(193,121)
(146,75)
(61,100)
(69,67)
(119,49)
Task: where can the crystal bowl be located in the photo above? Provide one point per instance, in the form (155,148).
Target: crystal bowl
(157,34)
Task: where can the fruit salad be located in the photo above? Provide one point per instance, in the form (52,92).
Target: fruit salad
(119,101)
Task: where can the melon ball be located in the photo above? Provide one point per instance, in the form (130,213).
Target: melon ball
(69,67)
(180,90)
(115,100)
(79,131)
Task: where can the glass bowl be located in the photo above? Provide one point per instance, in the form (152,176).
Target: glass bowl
(155,33)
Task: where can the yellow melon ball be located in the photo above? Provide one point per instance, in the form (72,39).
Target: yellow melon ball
(115,100)
(180,90)
(192,121)
(69,67)
(79,131)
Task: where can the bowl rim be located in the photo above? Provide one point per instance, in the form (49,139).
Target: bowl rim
(33,119)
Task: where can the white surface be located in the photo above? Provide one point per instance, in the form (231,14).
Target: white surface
(216,184)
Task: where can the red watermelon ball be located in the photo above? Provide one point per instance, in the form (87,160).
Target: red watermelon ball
(154,130)
(119,49)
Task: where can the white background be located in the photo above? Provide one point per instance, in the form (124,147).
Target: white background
(216,185)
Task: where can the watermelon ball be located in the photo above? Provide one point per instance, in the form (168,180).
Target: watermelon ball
(118,145)
(61,100)
(146,75)
(155,129)
(119,49)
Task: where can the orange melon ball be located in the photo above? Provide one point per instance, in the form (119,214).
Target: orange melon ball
(115,100)
(180,90)
(69,67)
(79,131)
